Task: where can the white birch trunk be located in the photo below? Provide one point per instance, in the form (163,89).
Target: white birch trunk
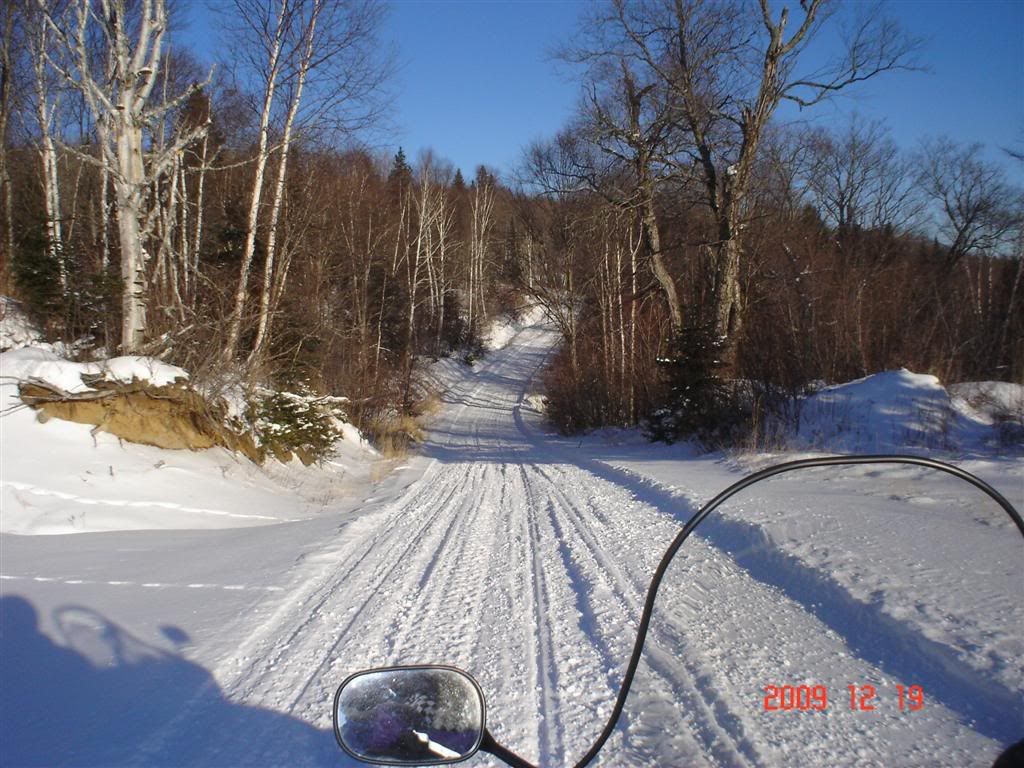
(263,324)
(197,237)
(235,320)
(118,102)
(45,111)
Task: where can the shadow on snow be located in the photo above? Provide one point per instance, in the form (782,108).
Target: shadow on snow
(104,697)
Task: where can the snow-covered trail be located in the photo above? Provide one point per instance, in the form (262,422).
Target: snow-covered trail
(511,560)
(525,562)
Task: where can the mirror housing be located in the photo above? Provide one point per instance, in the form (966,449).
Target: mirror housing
(414,715)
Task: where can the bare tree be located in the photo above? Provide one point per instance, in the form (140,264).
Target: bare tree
(973,200)
(270,29)
(46,98)
(859,178)
(305,60)
(726,65)
(321,57)
(11,33)
(626,117)
(482,222)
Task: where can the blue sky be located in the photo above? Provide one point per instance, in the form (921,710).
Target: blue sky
(476,82)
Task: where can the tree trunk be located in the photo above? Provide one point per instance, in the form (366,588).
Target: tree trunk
(6,75)
(726,296)
(652,237)
(273,65)
(48,153)
(105,217)
(129,190)
(263,328)
(197,236)
(648,212)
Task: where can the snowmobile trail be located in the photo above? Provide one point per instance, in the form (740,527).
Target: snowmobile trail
(515,562)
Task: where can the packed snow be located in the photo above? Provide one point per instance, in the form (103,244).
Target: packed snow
(205,637)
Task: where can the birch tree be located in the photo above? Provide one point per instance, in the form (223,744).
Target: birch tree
(307,47)
(444,223)
(11,31)
(481,222)
(270,34)
(119,100)
(40,47)
(317,69)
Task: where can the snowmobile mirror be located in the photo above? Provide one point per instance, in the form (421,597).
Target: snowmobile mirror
(425,715)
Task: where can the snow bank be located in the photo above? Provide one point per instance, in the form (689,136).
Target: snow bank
(504,329)
(44,364)
(444,373)
(894,411)
(62,477)
(992,401)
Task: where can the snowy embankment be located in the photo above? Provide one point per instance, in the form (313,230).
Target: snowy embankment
(503,330)
(63,477)
(898,411)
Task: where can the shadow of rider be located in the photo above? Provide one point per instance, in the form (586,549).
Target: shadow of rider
(111,699)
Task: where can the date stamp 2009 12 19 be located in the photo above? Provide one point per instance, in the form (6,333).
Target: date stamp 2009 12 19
(862,698)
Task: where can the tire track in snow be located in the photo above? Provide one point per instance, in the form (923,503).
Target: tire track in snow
(884,641)
(251,674)
(528,569)
(420,524)
(550,739)
(402,570)
(720,730)
(504,648)
(440,613)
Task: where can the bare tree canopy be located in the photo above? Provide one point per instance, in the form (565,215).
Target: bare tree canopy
(685,90)
(974,202)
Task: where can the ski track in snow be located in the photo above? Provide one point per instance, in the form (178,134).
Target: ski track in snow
(145,585)
(74,499)
(528,568)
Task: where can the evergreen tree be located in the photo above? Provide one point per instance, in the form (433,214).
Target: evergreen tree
(400,169)
(698,401)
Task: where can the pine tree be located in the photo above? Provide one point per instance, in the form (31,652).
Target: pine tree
(699,403)
(400,169)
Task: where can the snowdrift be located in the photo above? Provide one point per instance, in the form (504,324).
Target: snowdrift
(899,410)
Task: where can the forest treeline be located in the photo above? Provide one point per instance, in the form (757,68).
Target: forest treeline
(705,261)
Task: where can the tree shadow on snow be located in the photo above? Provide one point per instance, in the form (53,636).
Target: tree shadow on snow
(105,697)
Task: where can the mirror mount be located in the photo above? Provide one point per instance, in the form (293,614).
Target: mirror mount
(503,753)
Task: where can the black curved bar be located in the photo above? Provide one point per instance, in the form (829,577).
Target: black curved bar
(693,522)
